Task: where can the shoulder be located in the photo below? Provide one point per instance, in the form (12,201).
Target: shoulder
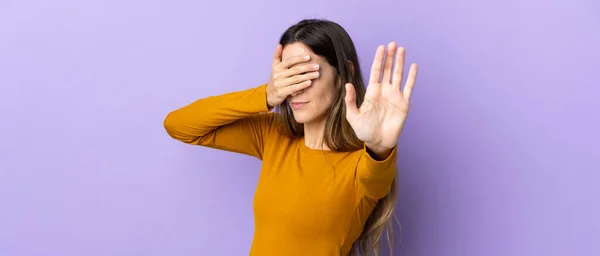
(270,124)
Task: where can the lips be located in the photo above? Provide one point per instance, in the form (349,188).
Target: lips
(298,105)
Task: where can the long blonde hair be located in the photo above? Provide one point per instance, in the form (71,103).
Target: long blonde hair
(331,41)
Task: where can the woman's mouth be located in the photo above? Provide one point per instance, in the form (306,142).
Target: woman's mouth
(299,104)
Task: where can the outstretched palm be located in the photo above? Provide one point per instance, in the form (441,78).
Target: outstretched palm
(380,118)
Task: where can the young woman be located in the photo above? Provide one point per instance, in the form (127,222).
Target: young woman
(327,144)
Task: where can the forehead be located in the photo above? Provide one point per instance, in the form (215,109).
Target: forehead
(296,49)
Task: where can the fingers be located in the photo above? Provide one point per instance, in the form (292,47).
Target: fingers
(350,99)
(410,81)
(389,62)
(299,69)
(291,75)
(289,90)
(296,79)
(291,61)
(399,68)
(277,55)
(376,66)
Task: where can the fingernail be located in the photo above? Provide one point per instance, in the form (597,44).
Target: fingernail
(316,66)
(316,74)
(307,57)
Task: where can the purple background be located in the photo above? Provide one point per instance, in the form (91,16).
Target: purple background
(500,155)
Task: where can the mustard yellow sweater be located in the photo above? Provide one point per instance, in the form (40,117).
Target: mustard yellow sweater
(308,201)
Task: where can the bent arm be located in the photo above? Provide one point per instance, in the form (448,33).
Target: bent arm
(235,121)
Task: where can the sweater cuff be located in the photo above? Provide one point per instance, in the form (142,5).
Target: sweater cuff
(374,165)
(259,99)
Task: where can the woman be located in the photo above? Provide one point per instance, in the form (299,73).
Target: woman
(328,178)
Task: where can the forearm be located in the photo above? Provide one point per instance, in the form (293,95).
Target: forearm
(202,116)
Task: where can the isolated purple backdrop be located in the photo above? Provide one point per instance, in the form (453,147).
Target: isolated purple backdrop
(500,155)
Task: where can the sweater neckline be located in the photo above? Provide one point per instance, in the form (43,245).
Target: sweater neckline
(305,149)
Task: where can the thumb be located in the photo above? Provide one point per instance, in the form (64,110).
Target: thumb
(277,55)
(350,99)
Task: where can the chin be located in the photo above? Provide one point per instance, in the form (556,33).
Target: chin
(301,117)
(308,116)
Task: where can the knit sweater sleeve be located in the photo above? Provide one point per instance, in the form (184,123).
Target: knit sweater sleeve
(236,121)
(375,176)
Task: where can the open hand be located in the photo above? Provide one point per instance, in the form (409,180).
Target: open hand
(380,119)
(289,76)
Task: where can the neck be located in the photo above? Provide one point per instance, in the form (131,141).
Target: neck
(313,135)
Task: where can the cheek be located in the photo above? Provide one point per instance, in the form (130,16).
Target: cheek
(326,95)
(323,90)
(330,90)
